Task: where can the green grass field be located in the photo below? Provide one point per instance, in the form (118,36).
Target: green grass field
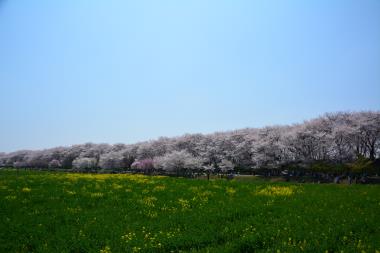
(61,212)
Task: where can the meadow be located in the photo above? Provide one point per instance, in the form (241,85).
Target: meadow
(67,212)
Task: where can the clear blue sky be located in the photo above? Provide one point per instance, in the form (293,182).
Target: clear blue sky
(124,71)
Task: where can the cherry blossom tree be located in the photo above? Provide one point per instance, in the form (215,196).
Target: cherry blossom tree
(112,160)
(334,139)
(84,163)
(179,162)
(144,165)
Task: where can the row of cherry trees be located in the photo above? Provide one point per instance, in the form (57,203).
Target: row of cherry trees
(335,138)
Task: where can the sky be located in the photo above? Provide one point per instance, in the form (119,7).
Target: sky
(79,71)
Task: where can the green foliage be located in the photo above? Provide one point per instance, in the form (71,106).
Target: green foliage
(328,167)
(362,165)
(63,212)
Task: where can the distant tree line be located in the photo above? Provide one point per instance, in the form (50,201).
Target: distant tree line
(335,143)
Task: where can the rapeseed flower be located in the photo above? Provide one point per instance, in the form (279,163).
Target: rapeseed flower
(26,189)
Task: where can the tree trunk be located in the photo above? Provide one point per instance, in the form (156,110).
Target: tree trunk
(372,152)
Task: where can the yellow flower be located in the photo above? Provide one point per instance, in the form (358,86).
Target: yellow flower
(136,249)
(117,186)
(151,214)
(277,191)
(230,190)
(128,237)
(149,201)
(184,203)
(107,249)
(159,188)
(70,192)
(26,189)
